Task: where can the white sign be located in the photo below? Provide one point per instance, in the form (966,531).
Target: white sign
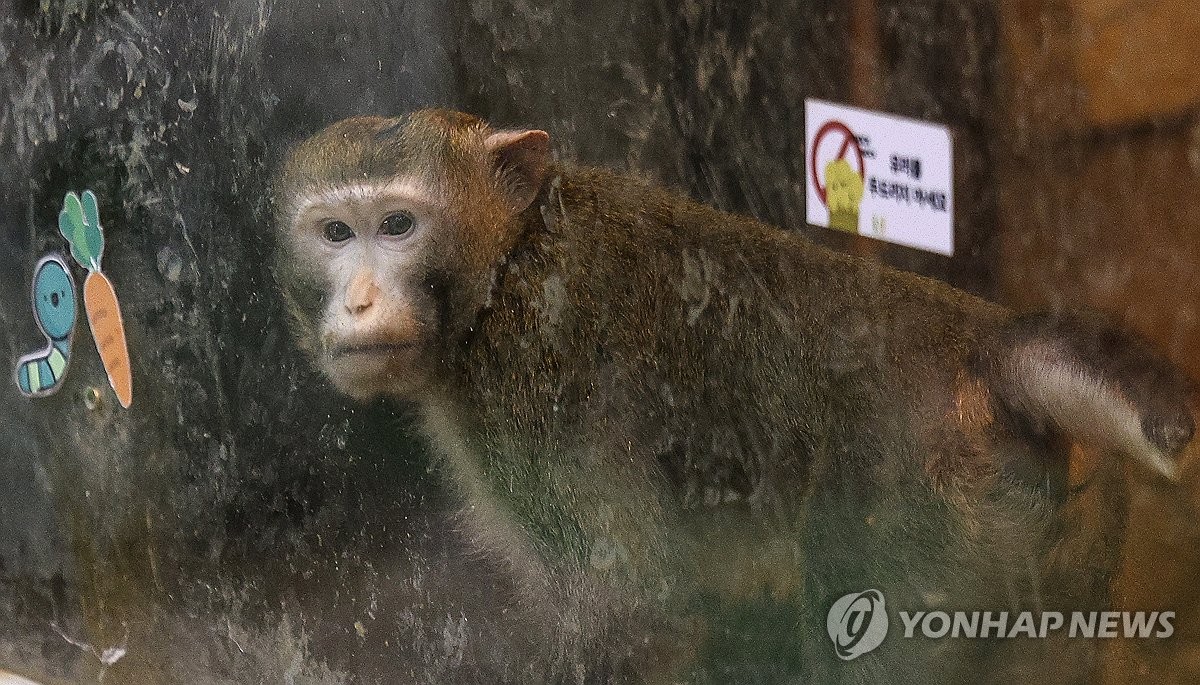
(879,175)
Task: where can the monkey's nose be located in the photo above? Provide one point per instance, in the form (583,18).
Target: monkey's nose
(358,306)
(361,295)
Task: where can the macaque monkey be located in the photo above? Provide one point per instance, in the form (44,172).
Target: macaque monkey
(688,433)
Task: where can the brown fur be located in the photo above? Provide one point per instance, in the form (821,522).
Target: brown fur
(670,419)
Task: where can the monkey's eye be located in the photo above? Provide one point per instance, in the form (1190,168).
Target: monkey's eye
(396,224)
(338,231)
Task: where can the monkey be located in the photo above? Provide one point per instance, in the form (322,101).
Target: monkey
(687,433)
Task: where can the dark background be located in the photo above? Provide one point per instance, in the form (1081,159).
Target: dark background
(241,523)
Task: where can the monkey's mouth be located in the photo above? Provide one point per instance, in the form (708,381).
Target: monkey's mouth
(366,367)
(368,348)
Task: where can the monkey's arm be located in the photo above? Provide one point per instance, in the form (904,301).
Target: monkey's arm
(1093,383)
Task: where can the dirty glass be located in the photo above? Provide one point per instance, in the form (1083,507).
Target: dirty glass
(242,522)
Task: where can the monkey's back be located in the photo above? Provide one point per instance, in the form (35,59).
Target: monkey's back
(757,321)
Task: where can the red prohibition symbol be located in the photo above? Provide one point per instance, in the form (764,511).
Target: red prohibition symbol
(848,140)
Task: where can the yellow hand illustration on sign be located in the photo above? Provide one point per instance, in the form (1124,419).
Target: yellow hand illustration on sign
(843,195)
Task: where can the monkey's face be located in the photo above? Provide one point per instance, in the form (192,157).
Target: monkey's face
(391,230)
(367,250)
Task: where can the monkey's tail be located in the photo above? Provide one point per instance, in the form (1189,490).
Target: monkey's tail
(1096,384)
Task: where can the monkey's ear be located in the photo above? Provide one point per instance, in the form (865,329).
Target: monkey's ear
(520,160)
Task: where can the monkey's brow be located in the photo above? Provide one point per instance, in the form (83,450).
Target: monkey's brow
(409,190)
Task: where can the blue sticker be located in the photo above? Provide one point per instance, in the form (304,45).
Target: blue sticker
(41,373)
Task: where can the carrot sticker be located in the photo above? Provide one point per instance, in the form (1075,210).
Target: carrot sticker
(79,222)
